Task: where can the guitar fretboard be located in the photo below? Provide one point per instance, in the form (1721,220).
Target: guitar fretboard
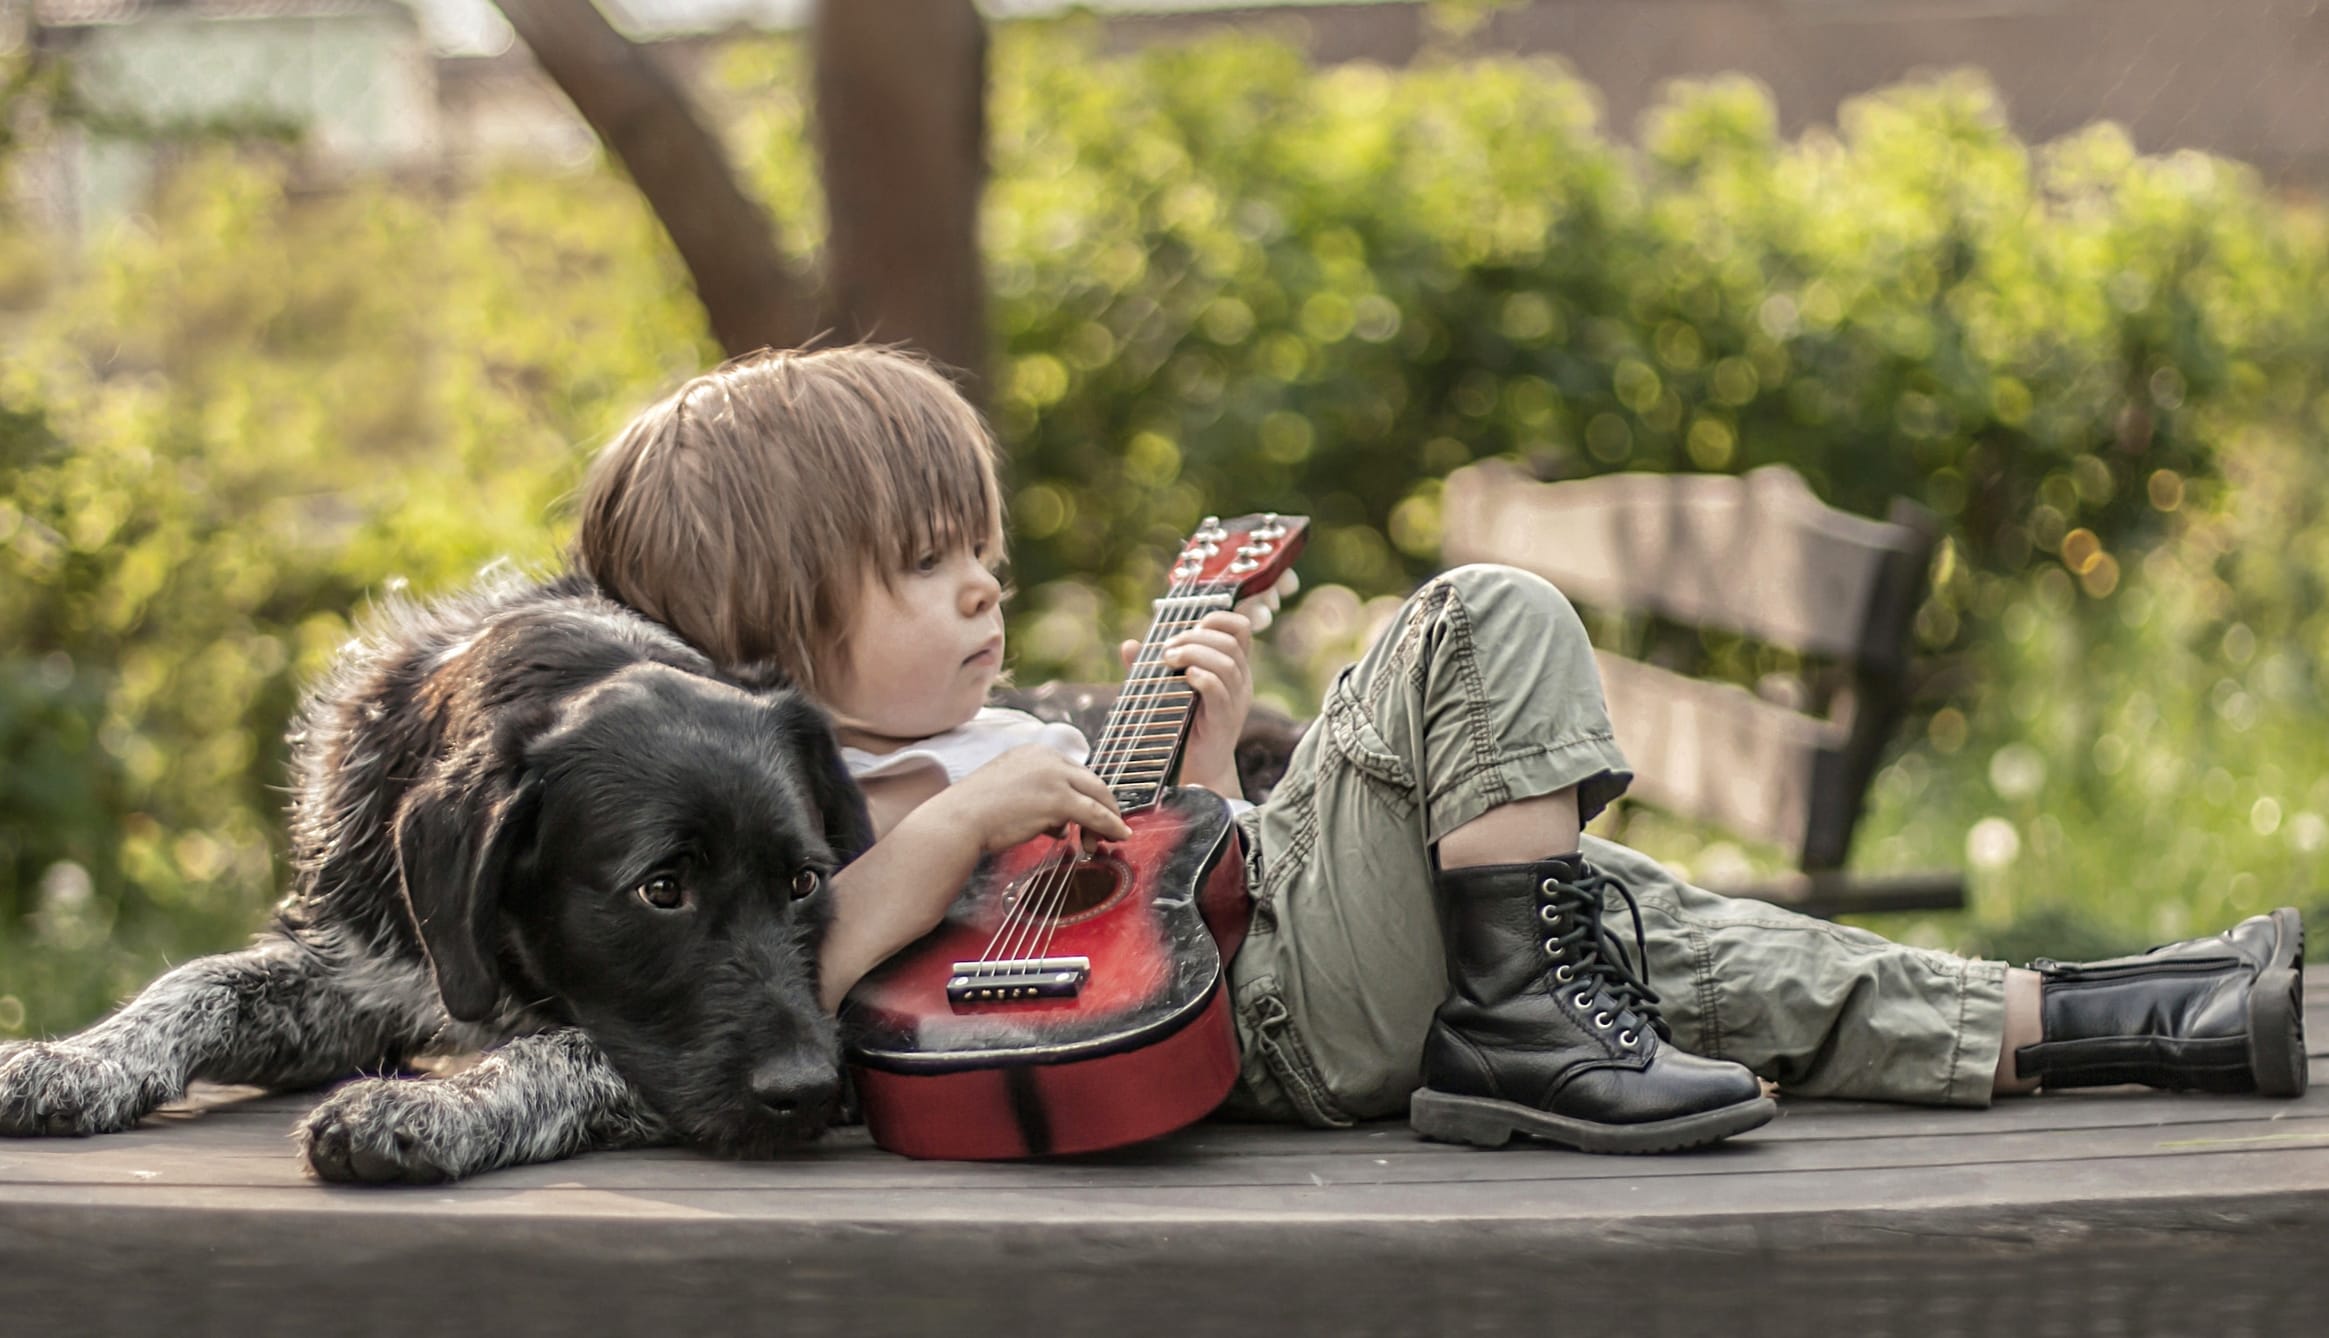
(1141,743)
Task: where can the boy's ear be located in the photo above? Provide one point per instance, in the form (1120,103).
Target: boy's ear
(458,837)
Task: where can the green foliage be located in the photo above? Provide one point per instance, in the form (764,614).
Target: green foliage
(1222,282)
(220,434)
(1224,279)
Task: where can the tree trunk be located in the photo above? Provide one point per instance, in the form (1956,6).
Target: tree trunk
(901,98)
(726,239)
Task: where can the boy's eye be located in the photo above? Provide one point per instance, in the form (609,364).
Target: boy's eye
(927,562)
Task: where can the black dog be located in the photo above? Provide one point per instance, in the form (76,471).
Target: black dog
(528,816)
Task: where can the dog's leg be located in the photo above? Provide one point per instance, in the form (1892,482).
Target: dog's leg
(271,1015)
(537,1098)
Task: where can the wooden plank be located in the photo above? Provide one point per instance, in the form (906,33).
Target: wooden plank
(1756,554)
(1718,753)
(1908,1269)
(1244,1163)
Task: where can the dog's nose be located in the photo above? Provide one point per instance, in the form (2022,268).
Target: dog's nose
(799,1092)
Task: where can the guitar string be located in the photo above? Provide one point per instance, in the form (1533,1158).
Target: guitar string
(1047,887)
(1118,741)
(1153,701)
(1036,915)
(1132,741)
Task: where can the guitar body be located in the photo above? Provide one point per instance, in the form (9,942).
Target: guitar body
(1143,1048)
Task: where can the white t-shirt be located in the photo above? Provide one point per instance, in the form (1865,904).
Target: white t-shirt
(995,730)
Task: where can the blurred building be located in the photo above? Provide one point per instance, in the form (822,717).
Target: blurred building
(351,80)
(2248,79)
(436,86)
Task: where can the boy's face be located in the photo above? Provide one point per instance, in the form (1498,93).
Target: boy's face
(922,656)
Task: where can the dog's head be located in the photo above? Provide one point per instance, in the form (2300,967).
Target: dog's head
(651,861)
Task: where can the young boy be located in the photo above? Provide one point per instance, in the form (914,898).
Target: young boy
(1426,908)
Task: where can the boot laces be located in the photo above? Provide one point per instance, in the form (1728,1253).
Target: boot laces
(1599,962)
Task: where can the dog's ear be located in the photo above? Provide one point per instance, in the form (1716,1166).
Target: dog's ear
(457,837)
(840,803)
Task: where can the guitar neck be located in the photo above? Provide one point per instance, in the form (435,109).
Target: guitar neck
(1141,743)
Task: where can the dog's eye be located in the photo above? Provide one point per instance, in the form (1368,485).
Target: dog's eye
(806,883)
(664,894)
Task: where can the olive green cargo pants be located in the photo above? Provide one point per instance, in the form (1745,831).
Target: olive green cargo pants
(1481,691)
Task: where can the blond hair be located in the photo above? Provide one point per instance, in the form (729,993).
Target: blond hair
(745,510)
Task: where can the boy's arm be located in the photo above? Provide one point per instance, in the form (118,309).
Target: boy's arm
(1226,783)
(894,893)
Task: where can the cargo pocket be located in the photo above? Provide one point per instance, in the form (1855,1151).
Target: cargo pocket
(1351,733)
(1270,1025)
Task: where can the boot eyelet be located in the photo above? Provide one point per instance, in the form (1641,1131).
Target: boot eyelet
(1627,1039)
(1602,1020)
(1553,949)
(1584,1000)
(1548,914)
(1551,887)
(1564,972)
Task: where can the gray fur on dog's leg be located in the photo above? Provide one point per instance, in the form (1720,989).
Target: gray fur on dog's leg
(538,1098)
(271,1014)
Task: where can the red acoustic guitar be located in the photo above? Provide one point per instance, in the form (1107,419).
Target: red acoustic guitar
(1072,1003)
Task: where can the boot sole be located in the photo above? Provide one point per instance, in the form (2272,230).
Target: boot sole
(2276,1013)
(1488,1123)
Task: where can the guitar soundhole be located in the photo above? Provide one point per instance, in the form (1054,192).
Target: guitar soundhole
(1091,885)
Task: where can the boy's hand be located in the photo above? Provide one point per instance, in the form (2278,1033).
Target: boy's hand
(1216,655)
(1028,792)
(1262,609)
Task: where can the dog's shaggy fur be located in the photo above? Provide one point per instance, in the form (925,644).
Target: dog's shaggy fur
(526,819)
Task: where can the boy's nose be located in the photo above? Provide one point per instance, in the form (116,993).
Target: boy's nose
(984,591)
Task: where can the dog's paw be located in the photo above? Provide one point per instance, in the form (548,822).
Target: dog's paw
(58,1087)
(390,1131)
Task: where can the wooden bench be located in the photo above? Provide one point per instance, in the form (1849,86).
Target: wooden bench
(1675,557)
(1755,556)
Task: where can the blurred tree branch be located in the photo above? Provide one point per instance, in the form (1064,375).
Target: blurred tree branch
(900,87)
(641,115)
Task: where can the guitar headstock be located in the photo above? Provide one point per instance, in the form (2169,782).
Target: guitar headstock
(1242,556)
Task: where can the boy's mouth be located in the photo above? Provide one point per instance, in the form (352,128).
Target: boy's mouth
(989,653)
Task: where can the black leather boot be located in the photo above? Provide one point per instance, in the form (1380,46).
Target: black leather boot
(2222,1014)
(1550,1031)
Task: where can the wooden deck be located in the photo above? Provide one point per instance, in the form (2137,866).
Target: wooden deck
(2110,1212)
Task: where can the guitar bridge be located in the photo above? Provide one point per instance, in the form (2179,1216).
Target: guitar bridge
(1026,978)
